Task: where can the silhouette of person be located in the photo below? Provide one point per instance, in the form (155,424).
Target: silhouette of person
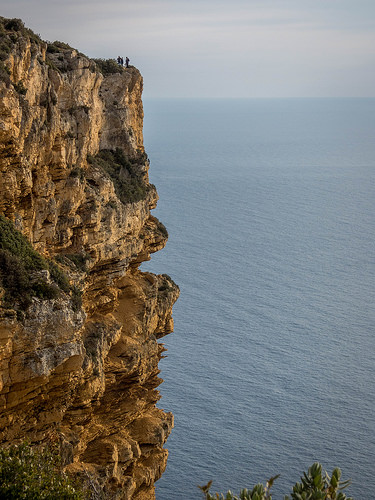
(119,60)
(122,61)
(127,62)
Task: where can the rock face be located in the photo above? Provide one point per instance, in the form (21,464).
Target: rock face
(74,182)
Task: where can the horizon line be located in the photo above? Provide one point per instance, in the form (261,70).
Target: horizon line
(256,97)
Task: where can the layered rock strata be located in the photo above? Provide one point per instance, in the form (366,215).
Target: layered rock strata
(86,376)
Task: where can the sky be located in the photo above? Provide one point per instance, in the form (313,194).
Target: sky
(221,48)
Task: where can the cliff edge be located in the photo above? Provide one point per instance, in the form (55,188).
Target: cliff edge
(79,322)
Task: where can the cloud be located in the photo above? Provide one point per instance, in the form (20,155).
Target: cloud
(206,47)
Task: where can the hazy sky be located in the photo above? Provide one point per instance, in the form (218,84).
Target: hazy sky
(221,48)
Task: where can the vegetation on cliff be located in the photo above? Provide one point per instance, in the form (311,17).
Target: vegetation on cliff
(10,30)
(314,485)
(26,473)
(129,185)
(13,29)
(24,273)
(90,377)
(108,66)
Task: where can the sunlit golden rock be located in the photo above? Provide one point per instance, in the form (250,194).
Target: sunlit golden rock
(84,377)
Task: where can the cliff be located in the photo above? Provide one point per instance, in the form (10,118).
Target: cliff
(79,326)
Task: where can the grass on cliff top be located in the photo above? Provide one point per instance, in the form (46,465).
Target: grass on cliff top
(128,183)
(19,266)
(56,46)
(10,31)
(108,66)
(57,60)
(13,29)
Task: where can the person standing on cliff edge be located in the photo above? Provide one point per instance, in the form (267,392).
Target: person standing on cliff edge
(127,62)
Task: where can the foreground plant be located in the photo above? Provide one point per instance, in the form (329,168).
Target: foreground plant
(29,474)
(314,485)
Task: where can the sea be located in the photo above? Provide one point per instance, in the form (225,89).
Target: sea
(270,208)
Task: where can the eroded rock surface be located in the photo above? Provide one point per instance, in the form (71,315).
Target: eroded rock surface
(87,376)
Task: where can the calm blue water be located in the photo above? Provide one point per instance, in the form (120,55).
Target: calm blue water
(270,207)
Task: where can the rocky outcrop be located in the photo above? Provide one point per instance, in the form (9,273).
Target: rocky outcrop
(74,181)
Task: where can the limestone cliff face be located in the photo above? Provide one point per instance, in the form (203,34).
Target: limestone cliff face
(85,377)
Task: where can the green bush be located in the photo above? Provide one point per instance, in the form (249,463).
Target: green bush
(15,280)
(319,486)
(14,241)
(129,185)
(58,276)
(19,266)
(56,46)
(44,290)
(108,66)
(26,474)
(14,25)
(314,485)
(5,47)
(12,29)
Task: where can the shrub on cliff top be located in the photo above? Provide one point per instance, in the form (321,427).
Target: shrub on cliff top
(11,29)
(56,46)
(28,474)
(108,66)
(14,24)
(314,485)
